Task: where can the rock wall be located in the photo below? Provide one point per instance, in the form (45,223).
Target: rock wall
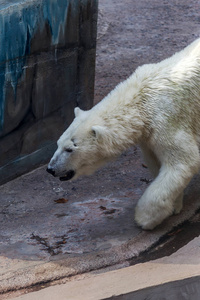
(47,64)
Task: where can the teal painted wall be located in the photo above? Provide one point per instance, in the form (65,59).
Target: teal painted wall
(47,66)
(18,25)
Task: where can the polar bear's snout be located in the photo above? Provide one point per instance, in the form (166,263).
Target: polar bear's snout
(50,171)
(59,166)
(67,176)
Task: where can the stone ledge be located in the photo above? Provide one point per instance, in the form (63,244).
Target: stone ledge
(174,277)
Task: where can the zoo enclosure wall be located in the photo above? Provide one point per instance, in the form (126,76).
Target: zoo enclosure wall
(47,67)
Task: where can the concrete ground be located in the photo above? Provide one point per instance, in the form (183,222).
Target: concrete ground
(52,230)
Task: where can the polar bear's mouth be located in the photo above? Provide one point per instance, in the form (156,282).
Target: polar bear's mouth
(69,175)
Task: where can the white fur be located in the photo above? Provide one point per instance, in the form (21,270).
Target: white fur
(157,107)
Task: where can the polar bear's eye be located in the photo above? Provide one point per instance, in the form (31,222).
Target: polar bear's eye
(75,145)
(68,150)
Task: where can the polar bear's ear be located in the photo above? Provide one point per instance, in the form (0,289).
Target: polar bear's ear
(98,131)
(77,111)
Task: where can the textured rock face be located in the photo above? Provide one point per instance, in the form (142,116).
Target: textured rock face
(47,60)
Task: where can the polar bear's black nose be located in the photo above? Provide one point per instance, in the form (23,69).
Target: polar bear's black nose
(51,171)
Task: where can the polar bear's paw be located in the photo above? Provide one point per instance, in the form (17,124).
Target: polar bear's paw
(144,221)
(149,217)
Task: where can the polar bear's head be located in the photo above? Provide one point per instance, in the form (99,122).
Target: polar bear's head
(80,148)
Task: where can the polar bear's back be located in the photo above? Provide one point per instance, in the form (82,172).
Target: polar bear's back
(186,60)
(189,54)
(166,93)
(171,91)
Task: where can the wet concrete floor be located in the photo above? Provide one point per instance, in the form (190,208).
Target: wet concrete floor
(45,218)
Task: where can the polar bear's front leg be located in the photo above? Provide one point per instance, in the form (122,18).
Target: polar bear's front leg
(154,167)
(159,200)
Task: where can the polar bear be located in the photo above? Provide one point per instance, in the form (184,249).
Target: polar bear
(158,108)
